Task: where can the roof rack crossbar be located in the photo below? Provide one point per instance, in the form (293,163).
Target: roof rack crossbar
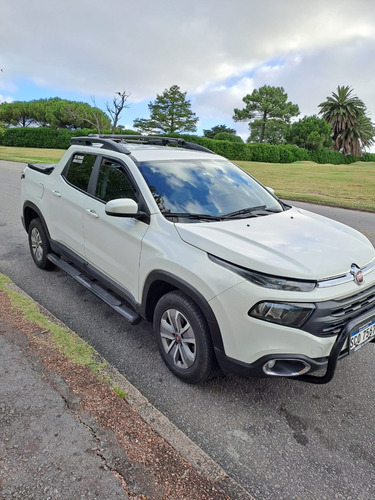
(150,139)
(105,142)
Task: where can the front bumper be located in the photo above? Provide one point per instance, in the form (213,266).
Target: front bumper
(339,350)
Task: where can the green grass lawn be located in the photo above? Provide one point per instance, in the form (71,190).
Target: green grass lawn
(30,155)
(350,186)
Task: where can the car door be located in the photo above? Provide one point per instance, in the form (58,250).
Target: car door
(67,202)
(113,244)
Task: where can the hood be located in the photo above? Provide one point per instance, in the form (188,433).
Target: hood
(295,243)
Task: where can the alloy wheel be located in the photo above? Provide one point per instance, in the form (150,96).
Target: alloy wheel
(178,338)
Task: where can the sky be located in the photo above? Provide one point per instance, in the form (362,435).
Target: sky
(217,51)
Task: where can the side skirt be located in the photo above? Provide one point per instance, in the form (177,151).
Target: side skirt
(109,298)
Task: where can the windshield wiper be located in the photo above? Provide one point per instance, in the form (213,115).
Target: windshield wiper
(245,211)
(188,215)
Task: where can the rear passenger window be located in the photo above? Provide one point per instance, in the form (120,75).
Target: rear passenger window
(113,182)
(79,170)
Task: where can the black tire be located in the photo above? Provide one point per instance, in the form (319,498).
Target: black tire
(183,338)
(39,244)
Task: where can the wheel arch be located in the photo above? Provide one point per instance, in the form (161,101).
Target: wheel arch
(29,212)
(158,283)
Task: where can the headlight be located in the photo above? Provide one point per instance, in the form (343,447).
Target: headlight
(287,314)
(267,280)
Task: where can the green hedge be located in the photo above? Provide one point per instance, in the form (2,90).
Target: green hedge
(44,137)
(226,136)
(228,149)
(264,152)
(329,156)
(41,137)
(367,157)
(290,153)
(268,153)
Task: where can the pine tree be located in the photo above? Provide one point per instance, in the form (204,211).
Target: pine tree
(170,113)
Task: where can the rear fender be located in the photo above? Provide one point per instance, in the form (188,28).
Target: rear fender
(29,212)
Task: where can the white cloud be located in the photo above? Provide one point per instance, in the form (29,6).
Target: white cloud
(311,77)
(5,98)
(217,51)
(221,100)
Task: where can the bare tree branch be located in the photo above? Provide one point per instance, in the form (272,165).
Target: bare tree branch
(117,107)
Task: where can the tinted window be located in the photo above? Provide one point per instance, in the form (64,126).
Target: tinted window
(213,187)
(113,182)
(79,170)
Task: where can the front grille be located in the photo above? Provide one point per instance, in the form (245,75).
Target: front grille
(331,316)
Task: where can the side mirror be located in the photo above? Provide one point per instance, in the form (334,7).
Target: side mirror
(272,191)
(122,207)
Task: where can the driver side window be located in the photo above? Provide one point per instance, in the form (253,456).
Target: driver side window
(113,182)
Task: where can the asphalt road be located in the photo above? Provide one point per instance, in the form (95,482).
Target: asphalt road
(279,439)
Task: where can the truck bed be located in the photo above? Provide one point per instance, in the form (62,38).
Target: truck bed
(44,168)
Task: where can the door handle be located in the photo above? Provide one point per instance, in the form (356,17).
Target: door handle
(92,213)
(56,193)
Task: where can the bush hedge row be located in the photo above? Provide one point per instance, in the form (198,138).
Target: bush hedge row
(268,153)
(44,137)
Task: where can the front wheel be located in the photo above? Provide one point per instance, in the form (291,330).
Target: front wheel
(39,244)
(183,338)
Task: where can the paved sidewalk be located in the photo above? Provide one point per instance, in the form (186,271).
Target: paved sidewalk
(45,451)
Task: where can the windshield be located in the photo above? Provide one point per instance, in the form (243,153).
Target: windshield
(212,187)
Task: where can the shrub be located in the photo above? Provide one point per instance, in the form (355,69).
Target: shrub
(123,132)
(226,136)
(328,156)
(41,137)
(290,153)
(264,152)
(44,137)
(368,157)
(230,150)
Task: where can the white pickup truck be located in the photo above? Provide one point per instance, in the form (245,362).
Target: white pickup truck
(230,276)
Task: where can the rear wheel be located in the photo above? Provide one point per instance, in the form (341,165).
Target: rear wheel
(183,338)
(39,244)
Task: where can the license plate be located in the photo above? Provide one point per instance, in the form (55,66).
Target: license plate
(362,336)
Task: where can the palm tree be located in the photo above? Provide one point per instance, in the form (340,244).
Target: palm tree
(345,112)
(359,136)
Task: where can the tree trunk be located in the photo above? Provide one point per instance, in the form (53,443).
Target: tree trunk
(263,129)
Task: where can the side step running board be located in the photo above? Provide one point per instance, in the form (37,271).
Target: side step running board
(107,297)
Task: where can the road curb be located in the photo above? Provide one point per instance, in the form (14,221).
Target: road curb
(186,448)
